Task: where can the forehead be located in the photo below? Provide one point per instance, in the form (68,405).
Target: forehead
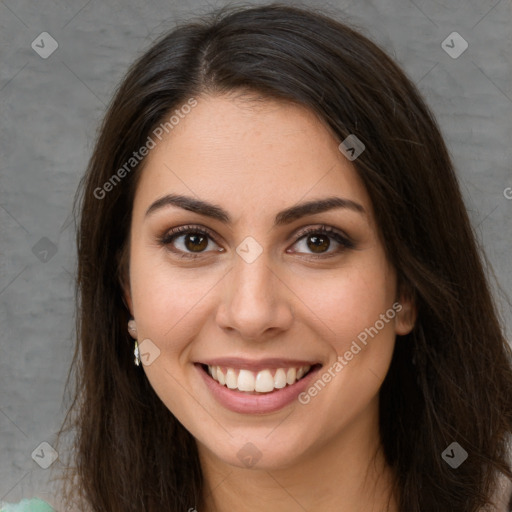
(252,155)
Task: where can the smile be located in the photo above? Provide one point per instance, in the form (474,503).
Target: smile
(264,381)
(260,390)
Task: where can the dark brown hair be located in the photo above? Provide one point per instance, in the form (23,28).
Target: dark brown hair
(450,379)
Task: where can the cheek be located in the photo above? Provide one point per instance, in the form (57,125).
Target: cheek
(168,304)
(350,303)
(166,299)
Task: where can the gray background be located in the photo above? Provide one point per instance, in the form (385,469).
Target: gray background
(49,113)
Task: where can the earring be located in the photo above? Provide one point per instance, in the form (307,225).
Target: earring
(136,353)
(132,329)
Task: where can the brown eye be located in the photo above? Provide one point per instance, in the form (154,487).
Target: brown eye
(318,243)
(195,242)
(188,241)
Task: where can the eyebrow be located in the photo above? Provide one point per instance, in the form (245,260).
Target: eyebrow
(284,217)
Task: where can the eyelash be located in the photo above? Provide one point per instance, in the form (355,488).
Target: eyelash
(340,238)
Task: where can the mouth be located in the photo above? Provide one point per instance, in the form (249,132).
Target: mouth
(262,382)
(266,388)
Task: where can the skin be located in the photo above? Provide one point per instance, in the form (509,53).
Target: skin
(254,159)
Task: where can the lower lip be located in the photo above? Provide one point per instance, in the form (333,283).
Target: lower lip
(238,401)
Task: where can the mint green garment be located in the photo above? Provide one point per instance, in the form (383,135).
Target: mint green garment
(33,505)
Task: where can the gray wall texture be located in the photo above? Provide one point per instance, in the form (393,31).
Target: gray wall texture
(50,108)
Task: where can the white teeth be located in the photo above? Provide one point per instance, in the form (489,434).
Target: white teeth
(261,382)
(291,376)
(245,380)
(280,379)
(231,380)
(264,382)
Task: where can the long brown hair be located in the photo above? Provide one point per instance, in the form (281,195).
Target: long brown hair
(450,379)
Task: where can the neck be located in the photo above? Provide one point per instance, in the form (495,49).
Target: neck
(346,473)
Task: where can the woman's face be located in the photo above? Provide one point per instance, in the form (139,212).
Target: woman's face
(263,293)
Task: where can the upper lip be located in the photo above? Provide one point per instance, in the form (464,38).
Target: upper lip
(256,365)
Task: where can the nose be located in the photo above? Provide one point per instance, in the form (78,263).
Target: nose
(256,302)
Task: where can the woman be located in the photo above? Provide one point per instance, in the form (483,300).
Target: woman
(282,305)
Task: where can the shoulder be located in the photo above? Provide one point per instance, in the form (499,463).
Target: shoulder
(32,505)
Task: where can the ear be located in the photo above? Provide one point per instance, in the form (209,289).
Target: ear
(407,312)
(124,281)
(127,296)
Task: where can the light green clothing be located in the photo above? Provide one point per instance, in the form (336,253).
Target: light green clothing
(33,505)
